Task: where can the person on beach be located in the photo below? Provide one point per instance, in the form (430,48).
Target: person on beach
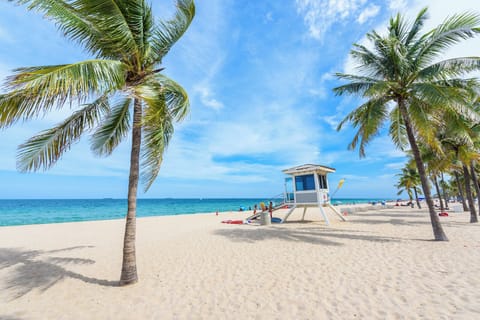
(270,208)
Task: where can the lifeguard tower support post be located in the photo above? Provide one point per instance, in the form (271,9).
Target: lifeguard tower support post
(310,189)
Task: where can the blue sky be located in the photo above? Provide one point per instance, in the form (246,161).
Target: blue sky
(259,77)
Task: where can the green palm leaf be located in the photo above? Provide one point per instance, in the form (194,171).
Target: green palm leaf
(450,68)
(454,29)
(163,90)
(167,33)
(397,130)
(36,90)
(367,118)
(166,102)
(158,130)
(113,129)
(43,150)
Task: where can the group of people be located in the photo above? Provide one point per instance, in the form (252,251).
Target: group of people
(264,208)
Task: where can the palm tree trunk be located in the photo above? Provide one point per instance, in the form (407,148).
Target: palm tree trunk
(442,184)
(438,232)
(411,198)
(468,191)
(435,181)
(475,182)
(460,190)
(416,198)
(129,263)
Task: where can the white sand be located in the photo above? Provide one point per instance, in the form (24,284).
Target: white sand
(380,264)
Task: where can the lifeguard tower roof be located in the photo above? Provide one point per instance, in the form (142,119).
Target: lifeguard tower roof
(308,168)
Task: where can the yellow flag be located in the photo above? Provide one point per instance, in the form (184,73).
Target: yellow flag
(340,183)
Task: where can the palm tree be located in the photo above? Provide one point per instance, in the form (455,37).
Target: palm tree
(399,81)
(458,135)
(475,182)
(404,185)
(409,180)
(122,79)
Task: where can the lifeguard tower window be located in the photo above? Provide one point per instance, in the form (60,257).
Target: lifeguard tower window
(306,182)
(322,180)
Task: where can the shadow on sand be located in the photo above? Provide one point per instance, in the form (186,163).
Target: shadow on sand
(36,269)
(313,235)
(9,318)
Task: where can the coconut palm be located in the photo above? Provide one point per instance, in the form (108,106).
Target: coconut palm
(458,136)
(475,181)
(400,81)
(435,162)
(409,181)
(123,80)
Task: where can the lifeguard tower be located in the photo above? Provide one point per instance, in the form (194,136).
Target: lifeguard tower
(307,187)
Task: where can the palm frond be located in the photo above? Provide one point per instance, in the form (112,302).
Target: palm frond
(43,150)
(368,62)
(89,76)
(368,118)
(416,26)
(36,90)
(450,68)
(420,112)
(112,18)
(158,130)
(166,102)
(438,93)
(113,129)
(166,33)
(163,90)
(397,130)
(358,84)
(454,29)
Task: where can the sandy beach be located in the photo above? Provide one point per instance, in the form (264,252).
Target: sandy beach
(381,264)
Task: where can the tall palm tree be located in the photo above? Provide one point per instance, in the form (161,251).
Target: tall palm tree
(435,162)
(400,82)
(475,182)
(458,136)
(123,79)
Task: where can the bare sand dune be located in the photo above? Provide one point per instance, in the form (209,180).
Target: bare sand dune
(380,264)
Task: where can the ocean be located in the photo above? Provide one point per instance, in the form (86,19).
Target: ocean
(23,212)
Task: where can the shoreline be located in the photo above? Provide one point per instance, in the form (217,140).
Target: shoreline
(55,218)
(379,264)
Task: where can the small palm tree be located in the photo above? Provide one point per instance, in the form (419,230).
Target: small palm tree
(401,82)
(123,79)
(409,180)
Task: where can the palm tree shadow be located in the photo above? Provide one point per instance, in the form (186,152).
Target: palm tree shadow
(35,269)
(9,318)
(313,235)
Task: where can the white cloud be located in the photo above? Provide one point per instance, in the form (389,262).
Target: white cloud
(320,15)
(397,4)
(332,121)
(369,12)
(395,165)
(207,97)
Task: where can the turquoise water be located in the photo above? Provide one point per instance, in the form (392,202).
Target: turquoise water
(22,212)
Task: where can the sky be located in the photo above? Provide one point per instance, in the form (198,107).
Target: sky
(259,75)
